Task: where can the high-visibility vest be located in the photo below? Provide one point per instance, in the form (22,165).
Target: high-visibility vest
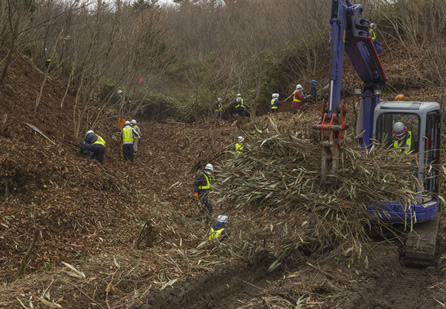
(273,104)
(127,135)
(407,144)
(214,235)
(239,147)
(294,97)
(99,141)
(219,107)
(372,34)
(208,182)
(239,103)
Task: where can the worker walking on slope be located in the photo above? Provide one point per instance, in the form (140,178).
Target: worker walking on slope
(298,98)
(202,186)
(95,144)
(275,103)
(128,135)
(138,138)
(372,34)
(219,232)
(240,106)
(403,139)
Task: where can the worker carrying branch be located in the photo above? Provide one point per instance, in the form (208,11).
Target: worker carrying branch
(202,186)
(275,103)
(219,232)
(95,144)
(298,98)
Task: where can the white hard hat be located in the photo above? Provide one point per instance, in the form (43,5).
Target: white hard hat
(274,95)
(219,99)
(239,95)
(372,25)
(209,167)
(399,130)
(277,95)
(133,121)
(119,91)
(127,123)
(299,87)
(89,132)
(222,219)
(240,139)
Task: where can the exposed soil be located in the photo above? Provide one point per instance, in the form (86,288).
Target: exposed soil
(90,216)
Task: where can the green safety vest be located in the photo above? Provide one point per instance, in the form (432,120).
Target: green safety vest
(219,107)
(214,235)
(408,144)
(240,103)
(99,141)
(239,147)
(208,182)
(273,106)
(127,135)
(372,34)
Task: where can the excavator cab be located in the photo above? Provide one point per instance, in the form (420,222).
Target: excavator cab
(423,121)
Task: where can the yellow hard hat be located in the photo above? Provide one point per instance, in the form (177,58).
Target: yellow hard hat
(400,97)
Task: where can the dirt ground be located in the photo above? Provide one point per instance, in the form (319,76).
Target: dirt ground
(92,218)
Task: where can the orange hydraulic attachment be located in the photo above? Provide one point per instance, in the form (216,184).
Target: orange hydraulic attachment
(332,133)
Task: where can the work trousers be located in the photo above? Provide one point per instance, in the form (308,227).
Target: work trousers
(98,151)
(241,112)
(135,145)
(206,205)
(127,150)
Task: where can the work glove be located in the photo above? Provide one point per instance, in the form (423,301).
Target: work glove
(196,194)
(308,96)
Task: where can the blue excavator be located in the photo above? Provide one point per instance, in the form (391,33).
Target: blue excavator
(376,122)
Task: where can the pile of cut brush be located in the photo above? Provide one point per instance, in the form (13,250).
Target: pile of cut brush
(279,178)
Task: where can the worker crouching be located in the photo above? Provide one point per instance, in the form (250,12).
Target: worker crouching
(219,232)
(202,186)
(95,144)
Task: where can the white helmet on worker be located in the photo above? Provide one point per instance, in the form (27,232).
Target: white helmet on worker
(373,25)
(127,123)
(219,99)
(239,95)
(399,130)
(222,219)
(133,121)
(119,91)
(89,132)
(299,87)
(240,139)
(209,167)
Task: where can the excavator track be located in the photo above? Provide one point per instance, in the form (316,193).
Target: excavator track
(421,248)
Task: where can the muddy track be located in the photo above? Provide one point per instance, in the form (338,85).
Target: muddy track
(228,287)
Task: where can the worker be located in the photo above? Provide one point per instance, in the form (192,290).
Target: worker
(372,34)
(240,147)
(136,139)
(313,84)
(120,92)
(402,138)
(240,106)
(400,97)
(274,106)
(95,144)
(219,108)
(128,135)
(202,186)
(298,98)
(219,232)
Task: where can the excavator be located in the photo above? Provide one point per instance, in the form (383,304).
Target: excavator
(350,35)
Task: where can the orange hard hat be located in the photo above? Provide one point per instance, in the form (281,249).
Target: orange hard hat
(400,97)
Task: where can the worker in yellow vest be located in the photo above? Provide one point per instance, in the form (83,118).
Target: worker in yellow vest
(240,147)
(202,186)
(95,144)
(402,138)
(128,135)
(219,232)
